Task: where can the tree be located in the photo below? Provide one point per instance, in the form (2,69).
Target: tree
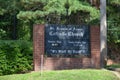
(8,18)
(113,15)
(103,32)
(113,21)
(54,6)
(20,15)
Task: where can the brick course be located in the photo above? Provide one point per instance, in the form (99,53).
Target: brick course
(65,63)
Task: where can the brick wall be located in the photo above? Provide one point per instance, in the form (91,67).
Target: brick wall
(48,63)
(38,41)
(95,46)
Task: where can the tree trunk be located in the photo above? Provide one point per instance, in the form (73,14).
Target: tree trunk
(103,32)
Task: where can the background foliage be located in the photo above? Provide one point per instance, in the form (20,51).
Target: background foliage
(113,24)
(17,18)
(15,57)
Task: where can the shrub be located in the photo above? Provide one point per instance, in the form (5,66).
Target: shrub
(15,57)
(113,66)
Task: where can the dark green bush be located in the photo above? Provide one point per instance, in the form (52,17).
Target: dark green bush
(15,57)
(113,66)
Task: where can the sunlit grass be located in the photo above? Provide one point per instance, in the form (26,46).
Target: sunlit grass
(83,74)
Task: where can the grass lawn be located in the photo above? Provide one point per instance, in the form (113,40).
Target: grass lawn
(82,74)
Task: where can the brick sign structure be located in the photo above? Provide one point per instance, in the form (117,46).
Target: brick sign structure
(52,41)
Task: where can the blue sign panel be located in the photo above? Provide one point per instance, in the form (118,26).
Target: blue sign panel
(67,40)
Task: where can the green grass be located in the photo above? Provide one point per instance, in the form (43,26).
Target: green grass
(83,74)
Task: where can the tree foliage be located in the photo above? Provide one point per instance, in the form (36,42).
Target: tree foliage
(37,9)
(113,22)
(113,14)
(114,2)
(18,16)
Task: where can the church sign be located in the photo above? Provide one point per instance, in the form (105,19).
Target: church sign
(67,40)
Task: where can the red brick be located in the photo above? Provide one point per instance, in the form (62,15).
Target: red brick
(66,63)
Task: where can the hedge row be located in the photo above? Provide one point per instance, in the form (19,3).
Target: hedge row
(15,57)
